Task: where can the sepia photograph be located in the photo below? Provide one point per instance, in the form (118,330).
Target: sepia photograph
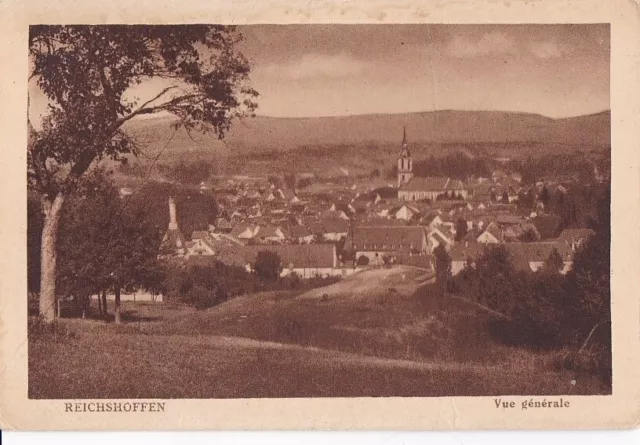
(318,210)
(282,211)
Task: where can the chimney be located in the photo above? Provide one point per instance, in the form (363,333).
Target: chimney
(173,220)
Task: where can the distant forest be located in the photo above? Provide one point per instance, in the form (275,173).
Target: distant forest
(552,166)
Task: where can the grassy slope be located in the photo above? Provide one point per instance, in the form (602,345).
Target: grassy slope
(395,339)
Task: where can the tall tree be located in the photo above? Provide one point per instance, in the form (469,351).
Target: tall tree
(86,74)
(104,246)
(545,197)
(462,229)
(268,265)
(443,267)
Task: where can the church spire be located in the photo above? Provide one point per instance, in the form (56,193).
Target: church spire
(405,164)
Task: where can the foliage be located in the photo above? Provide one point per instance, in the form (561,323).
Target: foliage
(461,229)
(290,181)
(545,197)
(268,266)
(363,260)
(190,173)
(554,263)
(443,267)
(530,235)
(546,309)
(456,165)
(86,72)
(104,244)
(195,209)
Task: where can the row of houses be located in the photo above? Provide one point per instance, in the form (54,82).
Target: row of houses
(525,255)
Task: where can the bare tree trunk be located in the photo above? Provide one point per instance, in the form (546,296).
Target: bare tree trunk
(52,211)
(100,303)
(105,312)
(116,309)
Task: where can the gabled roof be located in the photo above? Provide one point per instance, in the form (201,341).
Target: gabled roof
(270,231)
(300,231)
(573,235)
(426,184)
(335,225)
(295,255)
(173,243)
(405,236)
(509,219)
(521,254)
(494,231)
(455,184)
(547,225)
(463,251)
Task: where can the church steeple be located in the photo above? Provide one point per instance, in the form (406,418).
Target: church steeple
(405,164)
(405,146)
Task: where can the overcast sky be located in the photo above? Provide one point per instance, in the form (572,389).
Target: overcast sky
(324,70)
(330,70)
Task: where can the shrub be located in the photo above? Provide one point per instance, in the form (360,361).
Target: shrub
(363,260)
(268,265)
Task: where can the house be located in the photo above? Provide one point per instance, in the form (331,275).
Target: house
(334,229)
(406,213)
(522,232)
(301,234)
(505,220)
(533,256)
(223,226)
(270,234)
(523,256)
(492,234)
(210,244)
(432,188)
(200,244)
(432,221)
(378,242)
(440,236)
(245,231)
(465,253)
(305,260)
(574,238)
(334,214)
(309,260)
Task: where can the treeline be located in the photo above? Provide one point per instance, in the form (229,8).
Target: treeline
(546,309)
(455,165)
(554,166)
(189,172)
(103,211)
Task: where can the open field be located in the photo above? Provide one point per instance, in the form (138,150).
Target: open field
(387,336)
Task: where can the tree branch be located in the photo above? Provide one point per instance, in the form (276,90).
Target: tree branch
(150,110)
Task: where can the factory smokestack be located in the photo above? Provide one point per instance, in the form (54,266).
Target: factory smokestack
(173,219)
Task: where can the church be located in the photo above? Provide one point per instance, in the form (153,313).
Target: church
(411,188)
